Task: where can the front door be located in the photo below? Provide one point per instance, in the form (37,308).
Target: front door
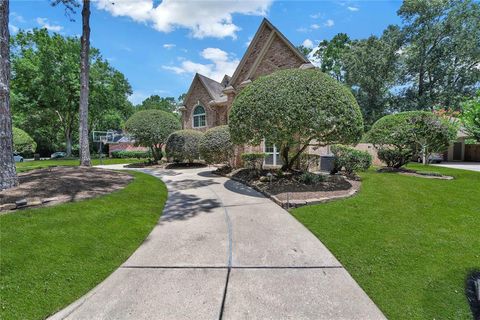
(273,155)
(457,151)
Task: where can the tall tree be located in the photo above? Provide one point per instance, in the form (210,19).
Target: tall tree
(167,104)
(70,6)
(332,55)
(8,176)
(441,56)
(370,71)
(84,88)
(46,90)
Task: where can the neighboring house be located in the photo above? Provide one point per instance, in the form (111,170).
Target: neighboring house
(208,102)
(121,142)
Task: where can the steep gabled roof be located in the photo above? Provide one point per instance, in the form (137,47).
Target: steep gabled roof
(274,32)
(213,87)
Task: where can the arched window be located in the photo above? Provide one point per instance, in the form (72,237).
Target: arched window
(199,117)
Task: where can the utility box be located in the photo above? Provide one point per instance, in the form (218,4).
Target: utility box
(327,163)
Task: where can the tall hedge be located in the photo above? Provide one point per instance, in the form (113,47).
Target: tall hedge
(294,109)
(216,145)
(22,142)
(183,145)
(151,128)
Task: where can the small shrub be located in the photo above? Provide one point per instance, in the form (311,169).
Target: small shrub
(184,145)
(395,158)
(124,154)
(253,160)
(216,146)
(351,159)
(310,178)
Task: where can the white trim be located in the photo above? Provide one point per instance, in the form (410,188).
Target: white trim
(199,115)
(275,153)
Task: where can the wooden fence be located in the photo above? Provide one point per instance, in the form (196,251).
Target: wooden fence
(472,152)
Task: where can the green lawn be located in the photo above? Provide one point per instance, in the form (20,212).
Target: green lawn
(31,165)
(408,241)
(52,256)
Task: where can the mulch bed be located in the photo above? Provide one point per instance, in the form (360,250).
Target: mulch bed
(288,191)
(62,184)
(185,165)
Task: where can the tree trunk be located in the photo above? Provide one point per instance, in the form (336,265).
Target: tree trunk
(8,176)
(84,76)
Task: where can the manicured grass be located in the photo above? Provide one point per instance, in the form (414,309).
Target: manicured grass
(52,256)
(31,165)
(409,241)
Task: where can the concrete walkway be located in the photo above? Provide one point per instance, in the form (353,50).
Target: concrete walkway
(471,166)
(223,251)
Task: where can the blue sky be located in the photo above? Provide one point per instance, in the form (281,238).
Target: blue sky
(159,45)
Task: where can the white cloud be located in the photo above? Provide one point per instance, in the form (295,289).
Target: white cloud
(203,18)
(221,63)
(307,43)
(353,9)
(329,23)
(247,43)
(16,17)
(169,45)
(137,97)
(314,26)
(43,22)
(316,15)
(13,28)
(314,59)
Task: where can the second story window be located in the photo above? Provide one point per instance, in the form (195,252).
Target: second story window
(199,117)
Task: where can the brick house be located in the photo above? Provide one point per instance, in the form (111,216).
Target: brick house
(208,102)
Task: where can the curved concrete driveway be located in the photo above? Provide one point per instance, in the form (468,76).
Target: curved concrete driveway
(223,251)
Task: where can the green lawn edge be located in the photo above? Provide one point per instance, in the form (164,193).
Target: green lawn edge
(40,164)
(54,255)
(410,242)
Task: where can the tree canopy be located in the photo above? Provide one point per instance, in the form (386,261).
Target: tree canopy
(151,128)
(46,89)
(295,109)
(432,59)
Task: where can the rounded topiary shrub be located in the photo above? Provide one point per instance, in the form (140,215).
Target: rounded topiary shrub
(151,128)
(183,145)
(22,142)
(295,109)
(216,146)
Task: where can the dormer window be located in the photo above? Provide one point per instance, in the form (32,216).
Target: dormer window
(199,117)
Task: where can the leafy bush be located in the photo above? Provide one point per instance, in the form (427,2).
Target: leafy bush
(393,157)
(310,178)
(124,154)
(351,159)
(22,142)
(297,108)
(396,135)
(216,145)
(253,160)
(184,145)
(150,128)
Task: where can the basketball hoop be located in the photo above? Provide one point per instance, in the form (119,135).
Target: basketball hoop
(103,138)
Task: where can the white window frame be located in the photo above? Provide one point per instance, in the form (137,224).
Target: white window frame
(275,153)
(199,115)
